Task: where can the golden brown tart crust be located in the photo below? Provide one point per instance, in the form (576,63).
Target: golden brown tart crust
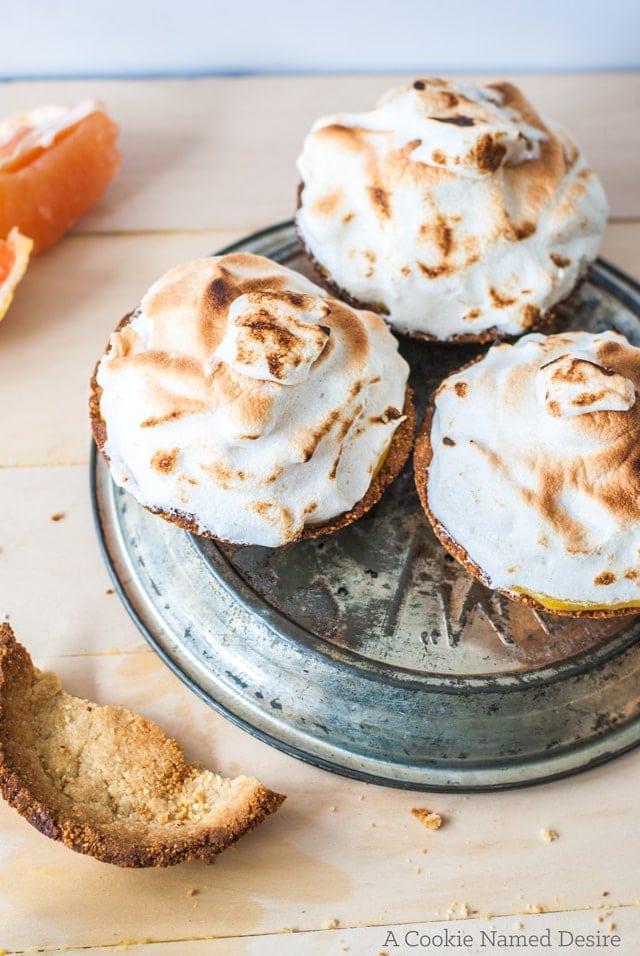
(107,782)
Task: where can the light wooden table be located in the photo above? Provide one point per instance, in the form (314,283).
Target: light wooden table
(343,863)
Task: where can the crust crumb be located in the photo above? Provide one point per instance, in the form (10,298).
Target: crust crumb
(549,835)
(428,818)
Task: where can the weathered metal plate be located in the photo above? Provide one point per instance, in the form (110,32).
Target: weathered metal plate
(371,652)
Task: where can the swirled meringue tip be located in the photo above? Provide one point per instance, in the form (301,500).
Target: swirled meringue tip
(452,209)
(242,402)
(528,467)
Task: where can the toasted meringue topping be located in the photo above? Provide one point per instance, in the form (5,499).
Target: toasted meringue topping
(22,133)
(241,395)
(273,336)
(452,209)
(544,499)
(574,385)
(469,130)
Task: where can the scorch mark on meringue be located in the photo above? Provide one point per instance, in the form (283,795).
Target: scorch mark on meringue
(441,232)
(547,500)
(336,418)
(455,120)
(330,203)
(164,461)
(472,315)
(187,407)
(487,154)
(605,578)
(390,414)
(530,316)
(379,198)
(223,475)
(519,232)
(277,515)
(434,272)
(562,262)
(501,300)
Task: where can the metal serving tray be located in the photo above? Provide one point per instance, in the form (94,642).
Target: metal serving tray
(370,652)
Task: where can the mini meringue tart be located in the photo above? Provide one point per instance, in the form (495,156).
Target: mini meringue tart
(527,465)
(453,210)
(243,403)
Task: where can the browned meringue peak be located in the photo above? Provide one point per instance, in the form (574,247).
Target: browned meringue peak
(455,211)
(274,336)
(573,384)
(481,128)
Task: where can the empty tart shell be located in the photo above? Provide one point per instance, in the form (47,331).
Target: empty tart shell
(107,782)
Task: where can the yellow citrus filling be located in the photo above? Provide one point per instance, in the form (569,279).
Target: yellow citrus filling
(557,604)
(381,461)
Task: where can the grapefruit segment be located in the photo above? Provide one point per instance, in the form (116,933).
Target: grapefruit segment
(54,165)
(14,257)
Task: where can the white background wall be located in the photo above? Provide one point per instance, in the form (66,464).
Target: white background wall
(45,38)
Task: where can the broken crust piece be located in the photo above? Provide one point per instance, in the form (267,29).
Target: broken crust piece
(428,818)
(107,782)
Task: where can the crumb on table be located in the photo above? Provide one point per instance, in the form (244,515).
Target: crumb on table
(549,835)
(428,818)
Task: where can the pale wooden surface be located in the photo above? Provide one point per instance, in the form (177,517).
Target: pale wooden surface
(205,162)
